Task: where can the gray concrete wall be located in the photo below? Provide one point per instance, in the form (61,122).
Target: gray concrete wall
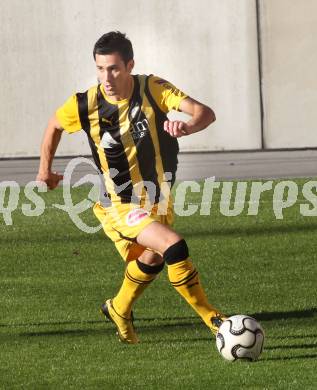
(288,35)
(208,48)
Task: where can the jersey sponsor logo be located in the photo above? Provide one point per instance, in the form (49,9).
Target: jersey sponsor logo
(140,129)
(164,84)
(168,86)
(135,216)
(107,141)
(160,81)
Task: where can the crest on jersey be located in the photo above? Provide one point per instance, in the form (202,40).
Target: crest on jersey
(135,111)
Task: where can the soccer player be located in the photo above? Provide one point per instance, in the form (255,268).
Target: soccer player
(135,147)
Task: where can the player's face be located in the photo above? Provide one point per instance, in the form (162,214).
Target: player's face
(114,74)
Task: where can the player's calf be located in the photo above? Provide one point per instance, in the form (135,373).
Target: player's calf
(185,279)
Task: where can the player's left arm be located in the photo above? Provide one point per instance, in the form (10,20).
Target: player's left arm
(201,117)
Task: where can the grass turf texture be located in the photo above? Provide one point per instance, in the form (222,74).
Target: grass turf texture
(53,278)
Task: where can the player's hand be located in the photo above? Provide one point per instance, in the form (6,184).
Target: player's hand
(176,128)
(50,178)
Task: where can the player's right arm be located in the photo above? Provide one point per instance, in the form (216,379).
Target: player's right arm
(50,142)
(66,119)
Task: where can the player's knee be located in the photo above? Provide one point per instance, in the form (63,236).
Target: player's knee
(150,269)
(176,252)
(169,240)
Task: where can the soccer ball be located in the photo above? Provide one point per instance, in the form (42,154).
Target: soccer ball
(240,337)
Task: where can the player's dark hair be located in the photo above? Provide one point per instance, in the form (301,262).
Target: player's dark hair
(114,41)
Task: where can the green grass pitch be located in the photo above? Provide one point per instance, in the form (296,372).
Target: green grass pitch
(53,278)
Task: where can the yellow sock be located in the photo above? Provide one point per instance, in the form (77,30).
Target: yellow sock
(184,278)
(134,283)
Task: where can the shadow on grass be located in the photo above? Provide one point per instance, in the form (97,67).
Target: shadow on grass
(251,230)
(80,322)
(291,346)
(46,237)
(164,325)
(286,358)
(69,332)
(234,231)
(190,320)
(111,332)
(106,329)
(262,316)
(281,315)
(48,323)
(294,336)
(181,340)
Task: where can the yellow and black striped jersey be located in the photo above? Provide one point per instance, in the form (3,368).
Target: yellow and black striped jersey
(126,137)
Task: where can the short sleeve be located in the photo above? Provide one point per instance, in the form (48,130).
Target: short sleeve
(166,95)
(68,115)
